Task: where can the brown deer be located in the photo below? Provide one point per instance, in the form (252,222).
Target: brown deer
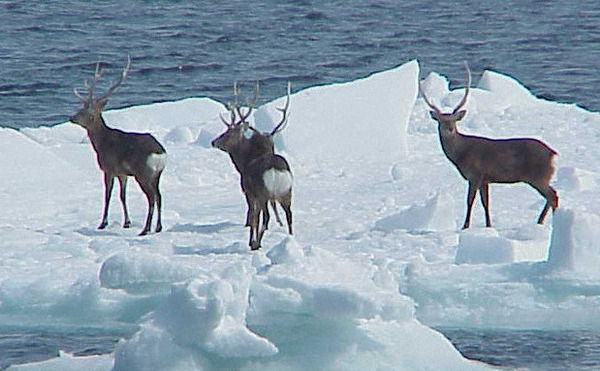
(265,176)
(482,161)
(121,154)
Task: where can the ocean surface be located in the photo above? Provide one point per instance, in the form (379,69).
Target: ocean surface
(199,48)
(512,349)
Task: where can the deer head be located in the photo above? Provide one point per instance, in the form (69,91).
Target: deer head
(90,114)
(236,128)
(447,121)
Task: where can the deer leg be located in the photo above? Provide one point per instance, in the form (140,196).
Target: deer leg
(544,213)
(148,191)
(249,212)
(277,218)
(254,216)
(158,204)
(485,200)
(286,204)
(470,199)
(551,197)
(109,181)
(123,184)
(266,217)
(265,221)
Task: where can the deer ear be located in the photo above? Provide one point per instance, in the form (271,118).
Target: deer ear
(460,115)
(434,115)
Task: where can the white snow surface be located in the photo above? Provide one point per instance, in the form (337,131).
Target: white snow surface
(376,260)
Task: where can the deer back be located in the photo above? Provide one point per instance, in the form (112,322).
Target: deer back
(500,160)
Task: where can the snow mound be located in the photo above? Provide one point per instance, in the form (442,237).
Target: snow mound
(139,270)
(68,362)
(367,116)
(507,88)
(570,178)
(28,169)
(161,118)
(436,88)
(288,251)
(180,134)
(436,213)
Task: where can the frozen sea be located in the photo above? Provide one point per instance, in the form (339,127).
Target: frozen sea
(191,49)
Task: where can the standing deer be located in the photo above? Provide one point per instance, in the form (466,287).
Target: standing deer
(121,154)
(265,176)
(482,161)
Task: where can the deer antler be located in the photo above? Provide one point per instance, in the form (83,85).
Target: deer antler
(284,119)
(78,95)
(431,105)
(90,86)
(249,103)
(116,84)
(464,99)
(460,104)
(232,113)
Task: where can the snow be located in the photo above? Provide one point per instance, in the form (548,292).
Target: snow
(377,259)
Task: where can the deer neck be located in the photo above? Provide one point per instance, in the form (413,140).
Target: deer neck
(246,152)
(98,132)
(241,155)
(452,142)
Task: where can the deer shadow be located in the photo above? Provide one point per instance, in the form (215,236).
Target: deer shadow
(90,232)
(201,228)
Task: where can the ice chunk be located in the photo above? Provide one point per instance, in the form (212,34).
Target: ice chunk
(153,349)
(436,88)
(135,271)
(336,120)
(574,243)
(286,252)
(506,88)
(476,246)
(571,178)
(68,362)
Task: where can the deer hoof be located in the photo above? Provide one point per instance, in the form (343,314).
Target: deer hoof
(254,246)
(158,228)
(143,233)
(103,225)
(127,224)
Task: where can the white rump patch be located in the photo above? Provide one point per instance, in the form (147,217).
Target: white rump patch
(278,182)
(157,161)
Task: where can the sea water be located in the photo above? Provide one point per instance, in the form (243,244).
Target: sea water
(199,48)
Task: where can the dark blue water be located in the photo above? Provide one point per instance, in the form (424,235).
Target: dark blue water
(198,48)
(530,349)
(23,344)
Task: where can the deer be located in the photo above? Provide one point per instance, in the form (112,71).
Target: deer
(121,154)
(482,160)
(265,176)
